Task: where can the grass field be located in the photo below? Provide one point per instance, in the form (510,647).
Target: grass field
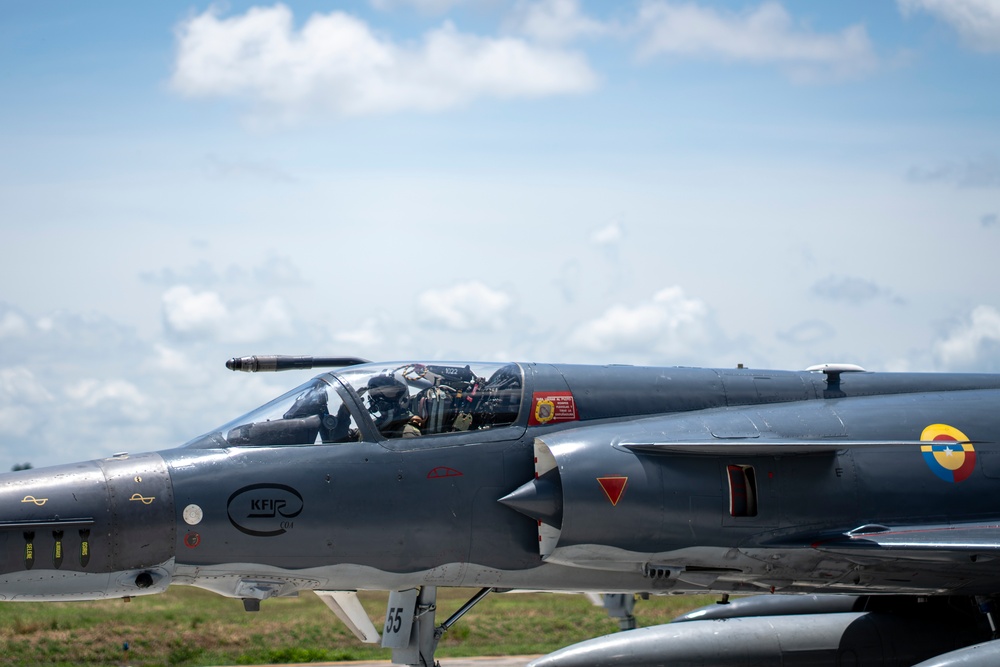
(188,627)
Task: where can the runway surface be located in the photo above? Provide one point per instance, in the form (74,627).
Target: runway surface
(496,661)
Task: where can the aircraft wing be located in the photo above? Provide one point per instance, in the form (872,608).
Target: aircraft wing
(757,447)
(939,537)
(936,537)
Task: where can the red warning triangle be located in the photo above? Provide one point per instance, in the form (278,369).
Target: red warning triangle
(613,487)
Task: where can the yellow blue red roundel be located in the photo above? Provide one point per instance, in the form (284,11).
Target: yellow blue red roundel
(952,457)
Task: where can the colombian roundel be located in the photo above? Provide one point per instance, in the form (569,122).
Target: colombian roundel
(951,457)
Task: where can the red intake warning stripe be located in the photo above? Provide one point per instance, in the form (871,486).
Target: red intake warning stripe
(613,487)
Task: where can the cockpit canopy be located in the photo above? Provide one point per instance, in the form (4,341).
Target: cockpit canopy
(399,400)
(428,399)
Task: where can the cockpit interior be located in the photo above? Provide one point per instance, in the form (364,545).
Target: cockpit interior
(405,400)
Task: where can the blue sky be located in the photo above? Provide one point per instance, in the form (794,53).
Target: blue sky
(777,184)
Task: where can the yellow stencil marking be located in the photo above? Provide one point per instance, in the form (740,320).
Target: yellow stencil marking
(143,499)
(37,501)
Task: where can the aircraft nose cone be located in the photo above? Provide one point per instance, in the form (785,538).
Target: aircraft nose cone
(45,515)
(540,499)
(50,498)
(86,530)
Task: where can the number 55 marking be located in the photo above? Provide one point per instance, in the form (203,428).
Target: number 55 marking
(394,620)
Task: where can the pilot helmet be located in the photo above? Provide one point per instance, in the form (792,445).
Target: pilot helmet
(387,389)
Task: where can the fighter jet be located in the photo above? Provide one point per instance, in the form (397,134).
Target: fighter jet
(860,507)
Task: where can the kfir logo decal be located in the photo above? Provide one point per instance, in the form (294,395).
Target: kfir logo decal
(952,457)
(264,510)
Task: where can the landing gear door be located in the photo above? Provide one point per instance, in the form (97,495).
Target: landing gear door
(399,619)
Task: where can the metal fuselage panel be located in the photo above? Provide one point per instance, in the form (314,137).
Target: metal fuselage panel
(675,509)
(87,530)
(420,510)
(310,507)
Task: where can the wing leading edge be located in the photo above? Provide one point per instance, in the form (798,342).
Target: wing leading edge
(756,447)
(936,537)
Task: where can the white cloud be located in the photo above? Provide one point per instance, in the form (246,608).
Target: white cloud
(979,172)
(113,390)
(336,63)
(177,368)
(13,325)
(975,345)
(203,314)
(609,234)
(763,35)
(19,384)
(188,311)
(807,333)
(18,420)
(425,6)
(851,289)
(170,360)
(977,21)
(24,404)
(555,21)
(463,307)
(272,272)
(368,334)
(670,323)
(90,393)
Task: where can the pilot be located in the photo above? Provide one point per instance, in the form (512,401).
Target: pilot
(389,403)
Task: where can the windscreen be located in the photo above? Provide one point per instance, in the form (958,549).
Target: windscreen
(310,414)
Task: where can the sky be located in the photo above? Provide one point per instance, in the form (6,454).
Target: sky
(777,184)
